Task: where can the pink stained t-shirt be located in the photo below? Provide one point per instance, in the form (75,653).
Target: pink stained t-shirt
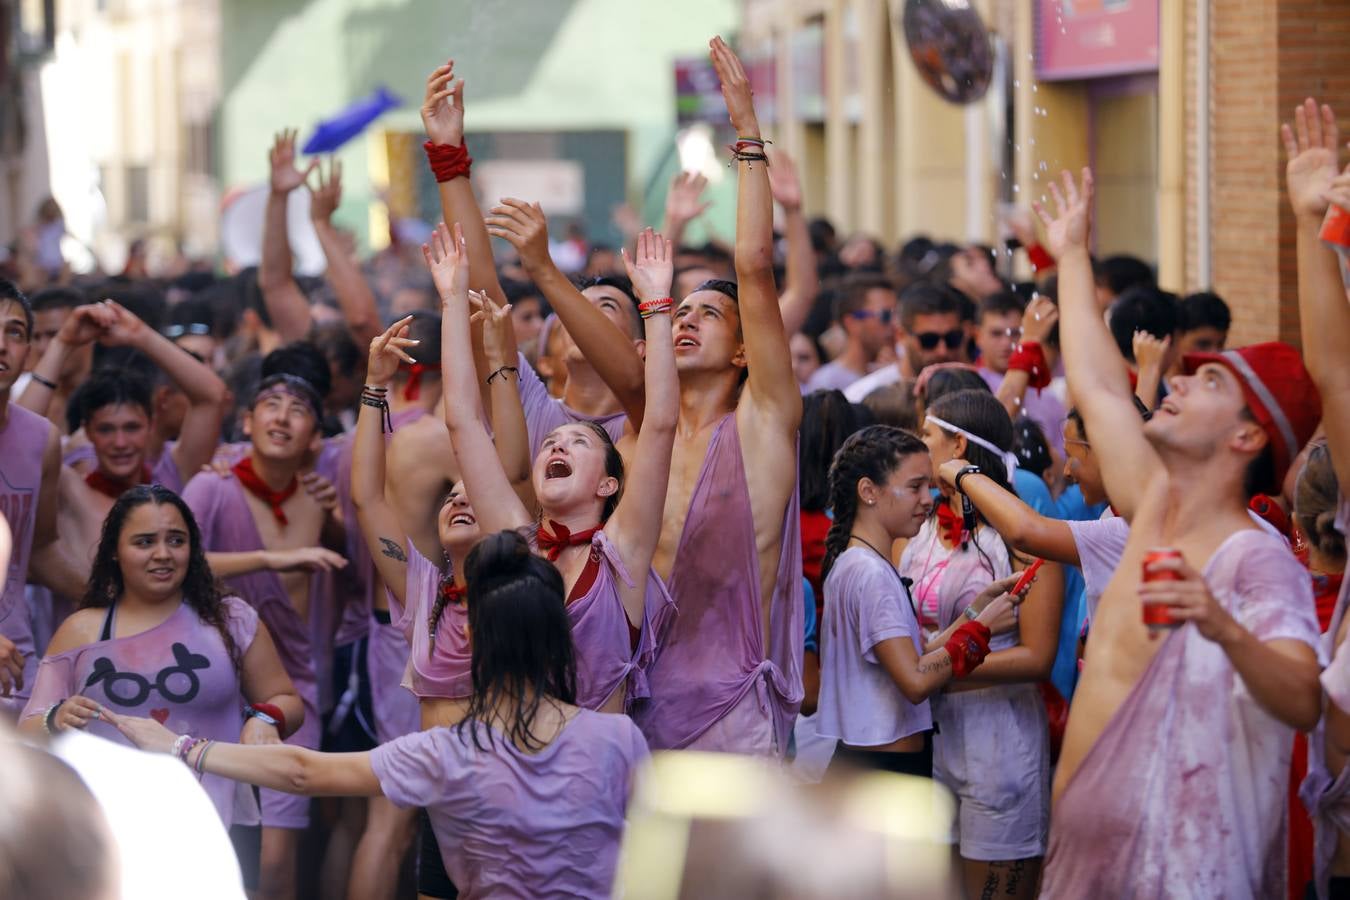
(865,604)
(515,824)
(1188,783)
(178,673)
(440,670)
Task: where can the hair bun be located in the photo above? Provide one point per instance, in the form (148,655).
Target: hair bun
(501,555)
(1326,538)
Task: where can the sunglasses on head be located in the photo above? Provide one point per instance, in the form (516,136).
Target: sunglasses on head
(884,315)
(929,340)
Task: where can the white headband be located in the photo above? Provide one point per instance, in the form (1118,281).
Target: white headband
(1009,458)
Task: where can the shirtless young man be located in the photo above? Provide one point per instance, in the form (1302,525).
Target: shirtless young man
(1176,756)
(30,461)
(728,676)
(262,530)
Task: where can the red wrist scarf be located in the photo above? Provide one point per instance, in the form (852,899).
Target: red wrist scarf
(413,389)
(253,483)
(447,162)
(952,525)
(1030,358)
(553,538)
(115,487)
(968,647)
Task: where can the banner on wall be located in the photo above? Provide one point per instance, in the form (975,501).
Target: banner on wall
(1095,38)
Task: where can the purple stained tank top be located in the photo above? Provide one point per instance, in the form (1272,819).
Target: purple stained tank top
(178,673)
(714,653)
(22,443)
(440,671)
(227,526)
(543,412)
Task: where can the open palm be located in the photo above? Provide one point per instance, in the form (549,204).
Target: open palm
(1311,146)
(1069,227)
(443,107)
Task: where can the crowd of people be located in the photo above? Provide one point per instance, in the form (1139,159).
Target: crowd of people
(454,539)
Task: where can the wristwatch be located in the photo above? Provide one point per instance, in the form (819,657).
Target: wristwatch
(970,613)
(967,470)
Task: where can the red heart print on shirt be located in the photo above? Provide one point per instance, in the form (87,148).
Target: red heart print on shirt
(159,715)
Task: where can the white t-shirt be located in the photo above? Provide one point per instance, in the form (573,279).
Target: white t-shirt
(883,377)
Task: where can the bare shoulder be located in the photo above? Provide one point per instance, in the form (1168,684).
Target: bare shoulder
(80,628)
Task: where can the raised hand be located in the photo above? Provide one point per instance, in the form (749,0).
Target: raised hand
(735,89)
(285,176)
(784,181)
(328,193)
(448,259)
(86,324)
(1311,145)
(497,328)
(684,200)
(443,106)
(305,559)
(124,328)
(1068,229)
(653,269)
(386,352)
(1039,319)
(525,227)
(1188,599)
(1149,351)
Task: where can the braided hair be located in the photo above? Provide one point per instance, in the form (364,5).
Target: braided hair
(874,452)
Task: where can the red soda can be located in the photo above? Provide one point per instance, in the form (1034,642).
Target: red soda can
(1157,616)
(1336,229)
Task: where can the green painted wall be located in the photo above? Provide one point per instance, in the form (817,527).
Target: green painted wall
(531,65)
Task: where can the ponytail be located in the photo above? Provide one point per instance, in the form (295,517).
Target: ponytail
(874,453)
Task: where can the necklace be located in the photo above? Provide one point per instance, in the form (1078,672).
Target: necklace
(886,560)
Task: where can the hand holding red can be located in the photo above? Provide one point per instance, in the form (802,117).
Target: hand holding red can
(1172,594)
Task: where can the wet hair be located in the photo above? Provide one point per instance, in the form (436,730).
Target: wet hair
(521,639)
(853,294)
(113,387)
(200,590)
(927,299)
(724,287)
(950,380)
(10,291)
(1030,446)
(894,405)
(55,843)
(828,419)
(875,452)
(1315,499)
(1000,304)
(1142,309)
(1120,273)
(623,285)
(303,359)
(1205,309)
(980,413)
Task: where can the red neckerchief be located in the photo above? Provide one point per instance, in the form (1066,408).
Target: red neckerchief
(553,538)
(253,483)
(413,389)
(453,593)
(952,525)
(113,487)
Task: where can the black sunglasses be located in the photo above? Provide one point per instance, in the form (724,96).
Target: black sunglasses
(929,340)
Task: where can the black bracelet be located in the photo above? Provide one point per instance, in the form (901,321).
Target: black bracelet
(968,470)
(502,372)
(45,382)
(377,401)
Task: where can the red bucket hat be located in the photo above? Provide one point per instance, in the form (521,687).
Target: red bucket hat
(1279,392)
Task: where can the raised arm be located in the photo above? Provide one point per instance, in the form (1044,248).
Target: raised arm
(286,303)
(353,292)
(803,278)
(772,387)
(1018,524)
(1101,384)
(1324,313)
(608,349)
(684,204)
(205,391)
(494,501)
(83,326)
(510,434)
(379,523)
(1037,322)
(443,119)
(635,525)
(1150,356)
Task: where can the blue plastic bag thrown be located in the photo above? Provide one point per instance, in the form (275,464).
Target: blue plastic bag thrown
(332,133)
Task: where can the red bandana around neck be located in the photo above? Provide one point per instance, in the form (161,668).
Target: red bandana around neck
(952,525)
(453,593)
(113,487)
(253,483)
(553,538)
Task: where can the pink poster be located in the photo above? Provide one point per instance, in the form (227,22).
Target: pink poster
(1093,38)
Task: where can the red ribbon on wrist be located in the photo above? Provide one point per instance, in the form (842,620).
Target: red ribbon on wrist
(271,709)
(1030,358)
(447,162)
(968,647)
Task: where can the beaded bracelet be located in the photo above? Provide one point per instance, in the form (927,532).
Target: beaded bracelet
(49,717)
(649,308)
(502,372)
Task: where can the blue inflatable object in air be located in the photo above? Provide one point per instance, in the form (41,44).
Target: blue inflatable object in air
(332,133)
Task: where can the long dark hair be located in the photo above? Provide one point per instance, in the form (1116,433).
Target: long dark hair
(520,636)
(875,452)
(828,419)
(200,590)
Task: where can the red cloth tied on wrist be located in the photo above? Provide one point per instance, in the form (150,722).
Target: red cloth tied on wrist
(413,389)
(554,537)
(1030,358)
(447,162)
(274,711)
(113,487)
(952,524)
(253,483)
(968,647)
(1039,258)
